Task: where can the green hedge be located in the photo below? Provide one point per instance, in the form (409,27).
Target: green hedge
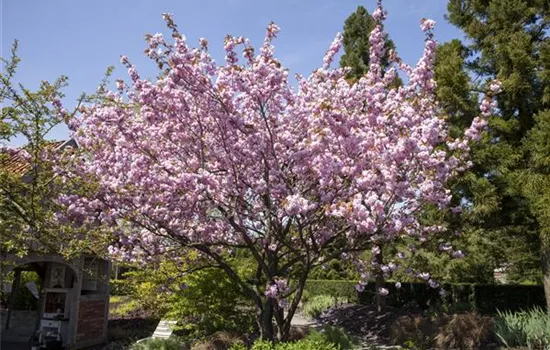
(121,287)
(483,298)
(335,288)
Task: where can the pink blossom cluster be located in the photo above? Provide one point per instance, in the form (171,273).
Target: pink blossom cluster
(15,151)
(212,157)
(278,290)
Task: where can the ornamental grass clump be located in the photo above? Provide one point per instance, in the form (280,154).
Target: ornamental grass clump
(525,328)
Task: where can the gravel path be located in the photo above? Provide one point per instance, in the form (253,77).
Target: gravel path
(301,321)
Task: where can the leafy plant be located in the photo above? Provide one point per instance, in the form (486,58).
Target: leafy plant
(122,305)
(334,335)
(526,328)
(203,301)
(304,344)
(160,344)
(464,331)
(315,306)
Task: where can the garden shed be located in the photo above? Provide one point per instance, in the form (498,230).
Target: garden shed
(72,299)
(47,299)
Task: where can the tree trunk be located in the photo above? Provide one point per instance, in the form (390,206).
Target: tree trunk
(264,319)
(270,317)
(545,262)
(380,299)
(379,283)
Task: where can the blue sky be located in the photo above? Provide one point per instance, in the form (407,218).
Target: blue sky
(80,39)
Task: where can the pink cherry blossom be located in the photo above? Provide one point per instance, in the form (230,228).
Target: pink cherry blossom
(427,24)
(213,157)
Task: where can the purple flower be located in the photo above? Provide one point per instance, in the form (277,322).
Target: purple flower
(458,254)
(424,275)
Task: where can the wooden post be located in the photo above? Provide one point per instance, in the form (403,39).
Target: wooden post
(13,296)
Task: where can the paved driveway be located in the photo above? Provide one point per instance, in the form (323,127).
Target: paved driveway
(14,346)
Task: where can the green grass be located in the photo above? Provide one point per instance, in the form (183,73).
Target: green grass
(120,305)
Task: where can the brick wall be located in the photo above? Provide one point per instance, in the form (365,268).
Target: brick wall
(91,319)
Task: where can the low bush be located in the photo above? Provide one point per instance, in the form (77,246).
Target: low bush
(304,344)
(122,287)
(414,331)
(341,289)
(160,344)
(525,328)
(24,299)
(335,335)
(221,341)
(120,305)
(203,302)
(315,305)
(428,331)
(465,331)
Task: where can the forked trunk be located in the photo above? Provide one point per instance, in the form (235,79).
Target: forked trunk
(272,322)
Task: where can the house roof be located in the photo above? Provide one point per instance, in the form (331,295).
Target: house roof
(16,164)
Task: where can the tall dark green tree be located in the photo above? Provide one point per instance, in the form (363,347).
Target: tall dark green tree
(507,40)
(357,29)
(536,186)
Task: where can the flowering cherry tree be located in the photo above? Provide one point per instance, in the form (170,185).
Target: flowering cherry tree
(215,158)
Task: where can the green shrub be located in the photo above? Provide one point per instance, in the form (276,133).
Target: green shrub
(525,328)
(160,344)
(222,340)
(203,302)
(120,305)
(238,346)
(315,306)
(122,287)
(483,298)
(304,344)
(344,290)
(334,335)
(24,300)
